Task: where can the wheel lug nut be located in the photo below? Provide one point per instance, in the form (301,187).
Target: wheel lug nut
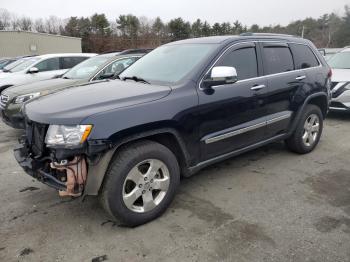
(145,178)
(140,185)
(143,191)
(151,180)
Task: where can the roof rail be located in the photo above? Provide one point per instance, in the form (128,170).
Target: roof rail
(266,34)
(135,51)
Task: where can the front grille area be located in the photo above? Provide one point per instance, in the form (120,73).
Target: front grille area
(339,90)
(3,101)
(334,84)
(35,134)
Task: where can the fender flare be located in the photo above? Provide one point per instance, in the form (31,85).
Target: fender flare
(302,108)
(97,171)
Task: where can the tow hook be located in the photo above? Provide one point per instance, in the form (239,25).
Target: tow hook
(76,171)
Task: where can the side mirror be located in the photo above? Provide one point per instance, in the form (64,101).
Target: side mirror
(221,75)
(322,51)
(106,76)
(33,70)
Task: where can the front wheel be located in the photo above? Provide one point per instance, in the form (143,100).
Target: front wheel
(308,131)
(141,182)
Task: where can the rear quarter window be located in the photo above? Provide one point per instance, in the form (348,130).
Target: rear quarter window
(303,56)
(277,59)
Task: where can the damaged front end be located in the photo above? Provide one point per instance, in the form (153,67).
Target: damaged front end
(65,169)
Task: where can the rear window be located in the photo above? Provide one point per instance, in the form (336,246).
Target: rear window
(69,62)
(277,59)
(303,56)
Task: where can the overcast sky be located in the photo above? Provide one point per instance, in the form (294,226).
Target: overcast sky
(262,12)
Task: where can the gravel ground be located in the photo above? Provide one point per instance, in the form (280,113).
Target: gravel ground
(266,205)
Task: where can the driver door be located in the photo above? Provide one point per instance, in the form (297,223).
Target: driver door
(233,116)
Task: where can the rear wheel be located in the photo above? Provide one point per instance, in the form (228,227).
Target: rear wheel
(308,131)
(141,183)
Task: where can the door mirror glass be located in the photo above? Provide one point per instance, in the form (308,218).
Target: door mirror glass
(221,75)
(106,76)
(33,70)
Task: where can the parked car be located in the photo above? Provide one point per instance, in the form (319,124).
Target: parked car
(9,63)
(182,107)
(107,66)
(39,68)
(5,61)
(8,67)
(329,52)
(340,64)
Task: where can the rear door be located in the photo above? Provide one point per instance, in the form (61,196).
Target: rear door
(233,115)
(283,83)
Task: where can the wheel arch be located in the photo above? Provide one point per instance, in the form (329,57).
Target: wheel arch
(169,137)
(319,99)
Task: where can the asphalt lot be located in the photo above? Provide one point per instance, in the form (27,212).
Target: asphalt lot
(267,205)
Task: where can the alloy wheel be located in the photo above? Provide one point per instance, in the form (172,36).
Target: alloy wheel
(146,185)
(311,130)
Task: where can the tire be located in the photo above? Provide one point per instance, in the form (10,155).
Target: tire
(297,142)
(128,171)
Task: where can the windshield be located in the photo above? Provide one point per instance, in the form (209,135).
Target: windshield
(170,63)
(87,68)
(12,65)
(25,64)
(4,62)
(340,60)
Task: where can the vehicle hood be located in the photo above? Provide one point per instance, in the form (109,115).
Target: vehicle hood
(341,75)
(44,87)
(72,105)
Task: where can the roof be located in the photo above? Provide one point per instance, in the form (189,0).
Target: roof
(66,54)
(345,49)
(229,38)
(37,33)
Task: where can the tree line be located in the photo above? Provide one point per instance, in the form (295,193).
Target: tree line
(128,31)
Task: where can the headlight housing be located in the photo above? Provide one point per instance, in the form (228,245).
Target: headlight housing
(61,135)
(24,98)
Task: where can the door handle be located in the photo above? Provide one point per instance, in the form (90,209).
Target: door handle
(300,78)
(257,87)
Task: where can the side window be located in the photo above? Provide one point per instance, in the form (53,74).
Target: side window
(277,59)
(116,68)
(69,62)
(303,56)
(48,64)
(244,60)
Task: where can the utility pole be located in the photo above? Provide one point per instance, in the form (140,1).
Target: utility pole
(302,32)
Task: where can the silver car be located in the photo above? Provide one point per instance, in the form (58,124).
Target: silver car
(39,68)
(340,64)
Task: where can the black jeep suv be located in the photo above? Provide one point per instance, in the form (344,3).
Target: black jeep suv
(182,107)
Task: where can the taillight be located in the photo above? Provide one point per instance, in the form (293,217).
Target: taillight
(330,73)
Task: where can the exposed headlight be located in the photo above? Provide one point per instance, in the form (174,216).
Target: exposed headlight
(59,135)
(24,98)
(347,86)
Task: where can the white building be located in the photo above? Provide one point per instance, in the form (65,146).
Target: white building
(19,43)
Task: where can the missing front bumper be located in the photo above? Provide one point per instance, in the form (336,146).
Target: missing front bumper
(73,174)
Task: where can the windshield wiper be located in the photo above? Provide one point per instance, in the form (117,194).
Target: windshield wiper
(65,77)
(6,70)
(136,79)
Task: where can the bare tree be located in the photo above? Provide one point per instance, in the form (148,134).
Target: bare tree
(39,25)
(25,23)
(5,19)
